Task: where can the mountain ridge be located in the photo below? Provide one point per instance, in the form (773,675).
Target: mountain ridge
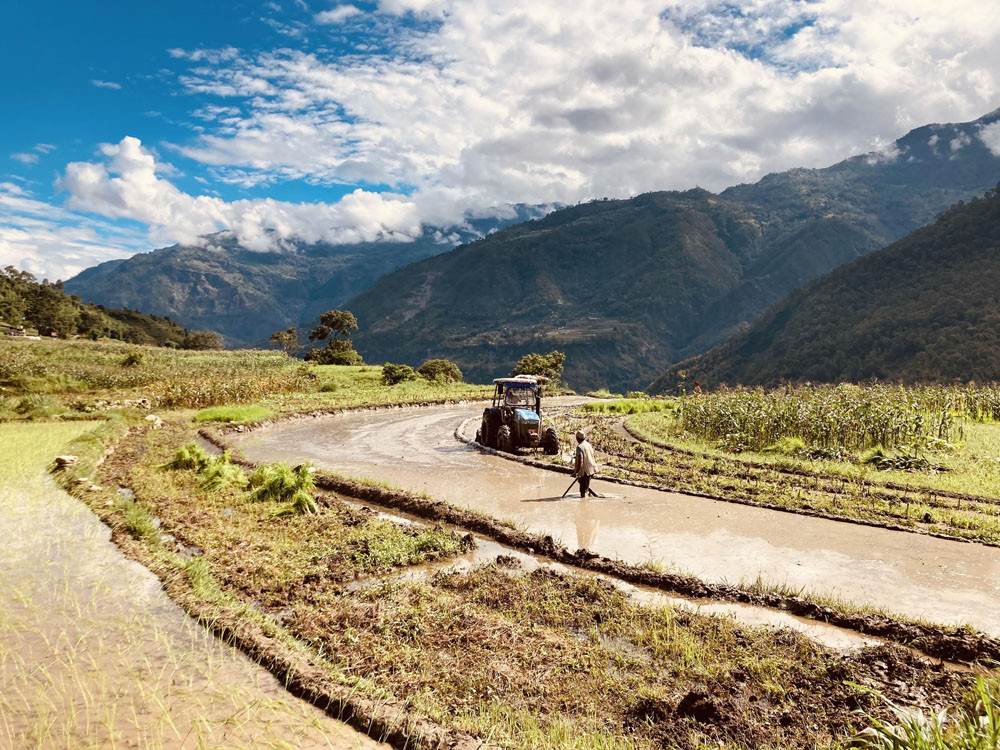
(629,287)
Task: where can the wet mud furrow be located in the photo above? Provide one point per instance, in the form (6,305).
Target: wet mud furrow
(442,461)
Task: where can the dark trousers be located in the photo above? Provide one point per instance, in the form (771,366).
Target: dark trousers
(585,486)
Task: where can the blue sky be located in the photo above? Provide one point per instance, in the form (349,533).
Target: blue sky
(130,126)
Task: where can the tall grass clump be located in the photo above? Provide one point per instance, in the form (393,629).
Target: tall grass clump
(974,726)
(234,414)
(278,483)
(843,416)
(219,474)
(190,456)
(215,472)
(630,406)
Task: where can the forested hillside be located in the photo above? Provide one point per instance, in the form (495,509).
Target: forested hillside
(926,308)
(47,308)
(628,287)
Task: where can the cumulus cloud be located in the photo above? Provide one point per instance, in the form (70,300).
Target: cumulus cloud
(104,84)
(460,106)
(990,135)
(522,100)
(336,15)
(25,158)
(52,242)
(127,186)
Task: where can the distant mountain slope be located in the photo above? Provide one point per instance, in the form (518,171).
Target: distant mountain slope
(926,308)
(247,296)
(628,287)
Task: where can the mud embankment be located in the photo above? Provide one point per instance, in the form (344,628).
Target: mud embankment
(964,645)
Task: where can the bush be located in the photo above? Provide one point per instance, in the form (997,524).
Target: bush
(441,370)
(202,341)
(330,386)
(134,358)
(393,374)
(336,352)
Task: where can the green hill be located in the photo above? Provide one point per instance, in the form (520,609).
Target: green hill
(628,287)
(246,296)
(926,308)
(48,309)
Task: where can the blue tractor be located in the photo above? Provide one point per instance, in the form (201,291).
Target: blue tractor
(514,421)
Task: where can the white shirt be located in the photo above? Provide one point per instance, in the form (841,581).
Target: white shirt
(588,464)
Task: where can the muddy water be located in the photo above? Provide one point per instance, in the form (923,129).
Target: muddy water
(487,550)
(920,576)
(93,653)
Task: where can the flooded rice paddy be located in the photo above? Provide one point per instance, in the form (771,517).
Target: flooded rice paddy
(937,579)
(92,652)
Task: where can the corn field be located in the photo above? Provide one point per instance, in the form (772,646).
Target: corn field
(844,416)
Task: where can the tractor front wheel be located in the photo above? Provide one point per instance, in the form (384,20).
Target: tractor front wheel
(550,441)
(504,440)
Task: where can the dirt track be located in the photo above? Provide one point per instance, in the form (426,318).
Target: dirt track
(938,579)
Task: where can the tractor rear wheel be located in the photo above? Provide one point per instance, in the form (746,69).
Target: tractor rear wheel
(550,441)
(488,430)
(504,440)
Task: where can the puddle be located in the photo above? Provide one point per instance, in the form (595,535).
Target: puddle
(488,550)
(937,579)
(94,654)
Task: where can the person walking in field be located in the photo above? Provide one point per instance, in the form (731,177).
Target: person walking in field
(586,465)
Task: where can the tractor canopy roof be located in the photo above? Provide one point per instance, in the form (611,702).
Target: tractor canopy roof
(522,381)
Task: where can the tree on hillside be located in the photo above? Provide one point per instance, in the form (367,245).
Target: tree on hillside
(549,365)
(287,340)
(335,325)
(202,340)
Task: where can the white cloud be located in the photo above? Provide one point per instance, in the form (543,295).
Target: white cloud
(524,100)
(990,135)
(45,148)
(338,14)
(54,243)
(25,158)
(461,105)
(105,84)
(127,186)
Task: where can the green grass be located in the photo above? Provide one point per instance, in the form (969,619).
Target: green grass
(973,468)
(80,374)
(631,406)
(167,377)
(28,448)
(242,414)
(973,725)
